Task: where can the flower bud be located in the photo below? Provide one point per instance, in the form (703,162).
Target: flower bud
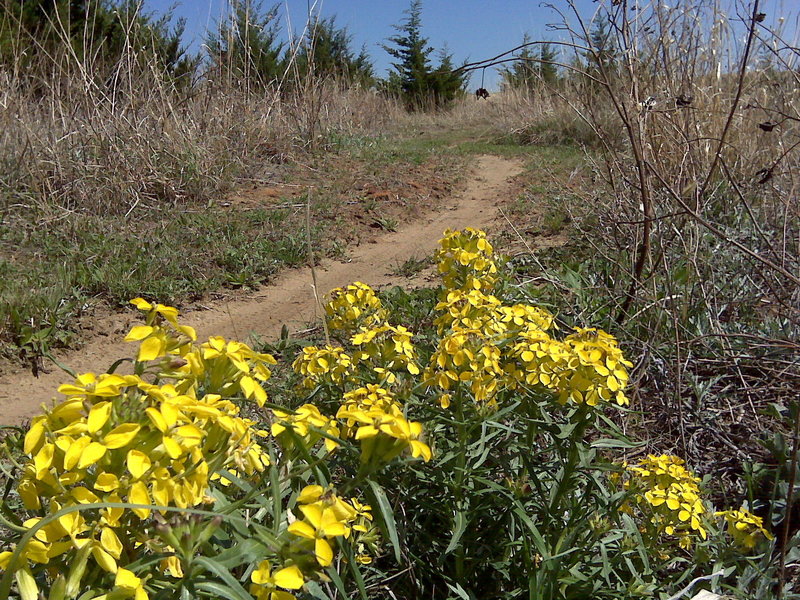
(28,590)
(73,583)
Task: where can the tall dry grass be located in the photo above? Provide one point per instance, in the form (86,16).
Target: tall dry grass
(88,135)
(100,159)
(692,221)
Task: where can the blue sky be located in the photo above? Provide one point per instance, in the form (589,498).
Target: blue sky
(471,29)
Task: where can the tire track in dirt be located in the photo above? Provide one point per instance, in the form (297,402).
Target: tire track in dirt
(290,299)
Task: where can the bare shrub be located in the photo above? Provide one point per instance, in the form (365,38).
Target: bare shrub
(692,221)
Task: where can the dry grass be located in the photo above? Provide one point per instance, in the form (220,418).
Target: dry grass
(71,146)
(686,239)
(102,162)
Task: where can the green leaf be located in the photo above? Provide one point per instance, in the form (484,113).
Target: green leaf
(614,443)
(460,591)
(236,591)
(275,491)
(351,560)
(222,591)
(316,591)
(246,551)
(337,581)
(386,518)
(459,527)
(538,540)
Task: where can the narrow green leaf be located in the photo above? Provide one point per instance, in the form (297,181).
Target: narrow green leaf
(316,591)
(236,590)
(386,518)
(538,540)
(221,591)
(614,443)
(246,551)
(337,581)
(459,526)
(353,563)
(460,591)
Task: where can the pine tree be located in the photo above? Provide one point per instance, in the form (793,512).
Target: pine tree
(412,54)
(328,48)
(604,57)
(547,70)
(412,78)
(533,68)
(521,75)
(97,30)
(246,46)
(445,83)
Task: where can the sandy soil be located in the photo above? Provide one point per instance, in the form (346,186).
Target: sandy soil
(290,300)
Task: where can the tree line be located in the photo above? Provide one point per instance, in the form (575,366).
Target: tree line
(245,44)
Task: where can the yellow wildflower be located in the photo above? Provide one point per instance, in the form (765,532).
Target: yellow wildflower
(354,307)
(745,528)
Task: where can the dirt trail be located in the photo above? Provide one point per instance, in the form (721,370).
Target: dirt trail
(289,300)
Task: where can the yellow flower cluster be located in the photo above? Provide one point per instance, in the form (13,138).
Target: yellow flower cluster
(670,493)
(308,423)
(473,309)
(353,307)
(586,368)
(387,349)
(169,435)
(227,368)
(466,260)
(596,369)
(327,364)
(121,438)
(466,356)
(745,528)
(217,366)
(489,346)
(156,340)
(383,355)
(325,517)
(538,359)
(470,309)
(372,416)
(523,317)
(368,414)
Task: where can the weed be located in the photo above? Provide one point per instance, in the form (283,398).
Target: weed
(386,223)
(411,266)
(554,219)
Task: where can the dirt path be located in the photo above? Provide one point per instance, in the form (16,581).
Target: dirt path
(289,300)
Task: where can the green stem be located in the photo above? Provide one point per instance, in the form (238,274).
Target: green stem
(461,464)
(573,456)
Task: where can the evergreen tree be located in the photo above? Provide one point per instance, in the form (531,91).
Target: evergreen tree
(246,45)
(99,30)
(533,68)
(547,70)
(521,75)
(604,57)
(328,48)
(413,79)
(412,54)
(445,84)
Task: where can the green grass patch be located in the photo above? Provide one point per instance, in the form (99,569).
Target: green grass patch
(51,273)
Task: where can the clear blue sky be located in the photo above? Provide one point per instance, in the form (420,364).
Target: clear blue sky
(471,29)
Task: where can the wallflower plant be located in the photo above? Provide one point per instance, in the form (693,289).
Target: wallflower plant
(162,465)
(472,458)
